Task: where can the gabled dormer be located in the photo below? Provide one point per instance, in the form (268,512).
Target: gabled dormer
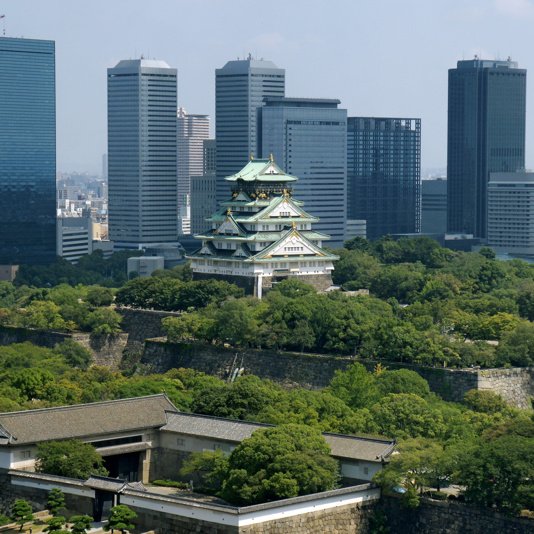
(230,227)
(284,207)
(292,243)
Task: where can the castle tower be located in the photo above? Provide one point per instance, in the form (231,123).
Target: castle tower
(262,235)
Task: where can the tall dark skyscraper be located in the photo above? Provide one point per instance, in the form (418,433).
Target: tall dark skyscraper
(27,151)
(486,133)
(142,170)
(240,87)
(384,174)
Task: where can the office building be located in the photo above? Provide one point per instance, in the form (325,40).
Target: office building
(486,133)
(434,206)
(27,151)
(511,212)
(203,191)
(240,87)
(384,174)
(308,139)
(74,237)
(142,182)
(191,132)
(262,235)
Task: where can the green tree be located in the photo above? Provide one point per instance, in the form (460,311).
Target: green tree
(484,401)
(277,463)
(99,296)
(72,459)
(498,472)
(212,466)
(55,525)
(56,501)
(294,288)
(104,321)
(405,416)
(81,523)
(75,355)
(21,512)
(121,519)
(356,387)
(402,381)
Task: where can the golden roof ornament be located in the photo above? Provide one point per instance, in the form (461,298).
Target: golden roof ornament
(228,212)
(251,157)
(294,226)
(272,158)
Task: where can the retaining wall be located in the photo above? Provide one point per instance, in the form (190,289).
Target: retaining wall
(444,517)
(314,371)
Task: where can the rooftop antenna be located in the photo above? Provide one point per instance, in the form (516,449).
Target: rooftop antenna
(3,17)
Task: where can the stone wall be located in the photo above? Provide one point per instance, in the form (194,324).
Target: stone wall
(349,519)
(106,349)
(314,371)
(141,325)
(286,368)
(443,517)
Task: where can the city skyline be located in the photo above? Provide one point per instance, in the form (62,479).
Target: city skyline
(324,49)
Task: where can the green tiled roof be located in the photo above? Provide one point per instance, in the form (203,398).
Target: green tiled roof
(261,170)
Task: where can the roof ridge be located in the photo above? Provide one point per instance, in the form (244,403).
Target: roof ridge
(83,405)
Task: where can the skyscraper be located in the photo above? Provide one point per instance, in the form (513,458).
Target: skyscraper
(384,174)
(142,103)
(27,151)
(308,139)
(486,133)
(240,87)
(192,130)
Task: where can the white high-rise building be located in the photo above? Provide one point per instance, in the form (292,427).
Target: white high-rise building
(511,212)
(142,103)
(191,130)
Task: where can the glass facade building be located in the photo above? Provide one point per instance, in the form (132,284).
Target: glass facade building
(384,174)
(142,163)
(486,133)
(27,151)
(308,138)
(240,87)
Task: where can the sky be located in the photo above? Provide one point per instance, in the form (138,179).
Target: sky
(379,57)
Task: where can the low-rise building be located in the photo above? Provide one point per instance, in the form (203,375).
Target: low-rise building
(146,438)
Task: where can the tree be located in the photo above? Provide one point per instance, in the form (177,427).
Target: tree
(402,381)
(55,524)
(104,321)
(356,387)
(212,466)
(498,472)
(56,501)
(81,523)
(75,355)
(278,463)
(484,401)
(72,459)
(420,463)
(99,296)
(21,512)
(120,519)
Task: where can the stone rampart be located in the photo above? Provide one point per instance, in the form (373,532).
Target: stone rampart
(314,371)
(447,517)
(106,349)
(287,368)
(141,325)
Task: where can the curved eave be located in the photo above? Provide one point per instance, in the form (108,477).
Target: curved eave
(255,171)
(253,259)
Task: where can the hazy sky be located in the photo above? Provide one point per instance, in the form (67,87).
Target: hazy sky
(379,57)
